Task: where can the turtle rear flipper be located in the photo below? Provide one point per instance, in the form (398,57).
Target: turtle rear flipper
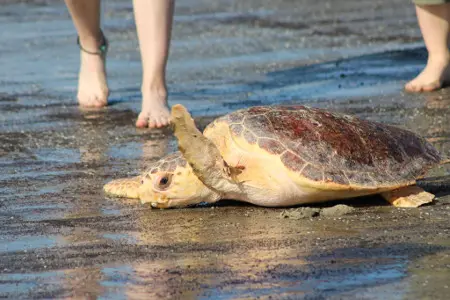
(125,187)
(410,196)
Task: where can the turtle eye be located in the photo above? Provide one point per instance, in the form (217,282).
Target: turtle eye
(164,181)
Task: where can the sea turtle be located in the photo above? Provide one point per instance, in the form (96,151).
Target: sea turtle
(282,156)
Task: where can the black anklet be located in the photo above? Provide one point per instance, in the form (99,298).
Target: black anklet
(101,50)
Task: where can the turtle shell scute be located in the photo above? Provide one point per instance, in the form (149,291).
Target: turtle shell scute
(249,137)
(336,177)
(361,178)
(260,126)
(313,173)
(236,129)
(168,163)
(292,161)
(270,145)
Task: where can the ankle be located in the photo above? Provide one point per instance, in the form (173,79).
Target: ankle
(442,58)
(154,94)
(154,87)
(93,44)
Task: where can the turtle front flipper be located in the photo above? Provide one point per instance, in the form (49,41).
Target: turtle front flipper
(125,187)
(202,154)
(410,196)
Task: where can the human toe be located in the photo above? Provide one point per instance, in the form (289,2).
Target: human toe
(99,102)
(142,121)
(85,101)
(412,87)
(165,120)
(152,123)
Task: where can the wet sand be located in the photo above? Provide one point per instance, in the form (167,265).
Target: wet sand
(61,237)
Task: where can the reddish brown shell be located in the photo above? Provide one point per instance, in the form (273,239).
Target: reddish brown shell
(329,147)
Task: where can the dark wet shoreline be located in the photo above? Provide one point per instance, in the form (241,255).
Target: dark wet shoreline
(60,237)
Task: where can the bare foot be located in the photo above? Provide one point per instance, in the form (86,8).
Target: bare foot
(432,77)
(155,110)
(92,86)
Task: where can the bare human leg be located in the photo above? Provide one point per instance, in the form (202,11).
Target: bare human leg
(154,25)
(92,86)
(434,25)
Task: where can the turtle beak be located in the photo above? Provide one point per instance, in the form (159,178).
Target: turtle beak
(156,200)
(160,200)
(159,205)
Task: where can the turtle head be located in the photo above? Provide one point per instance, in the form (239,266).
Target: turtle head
(171,182)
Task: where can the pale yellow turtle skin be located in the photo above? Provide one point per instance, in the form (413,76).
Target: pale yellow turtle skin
(226,163)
